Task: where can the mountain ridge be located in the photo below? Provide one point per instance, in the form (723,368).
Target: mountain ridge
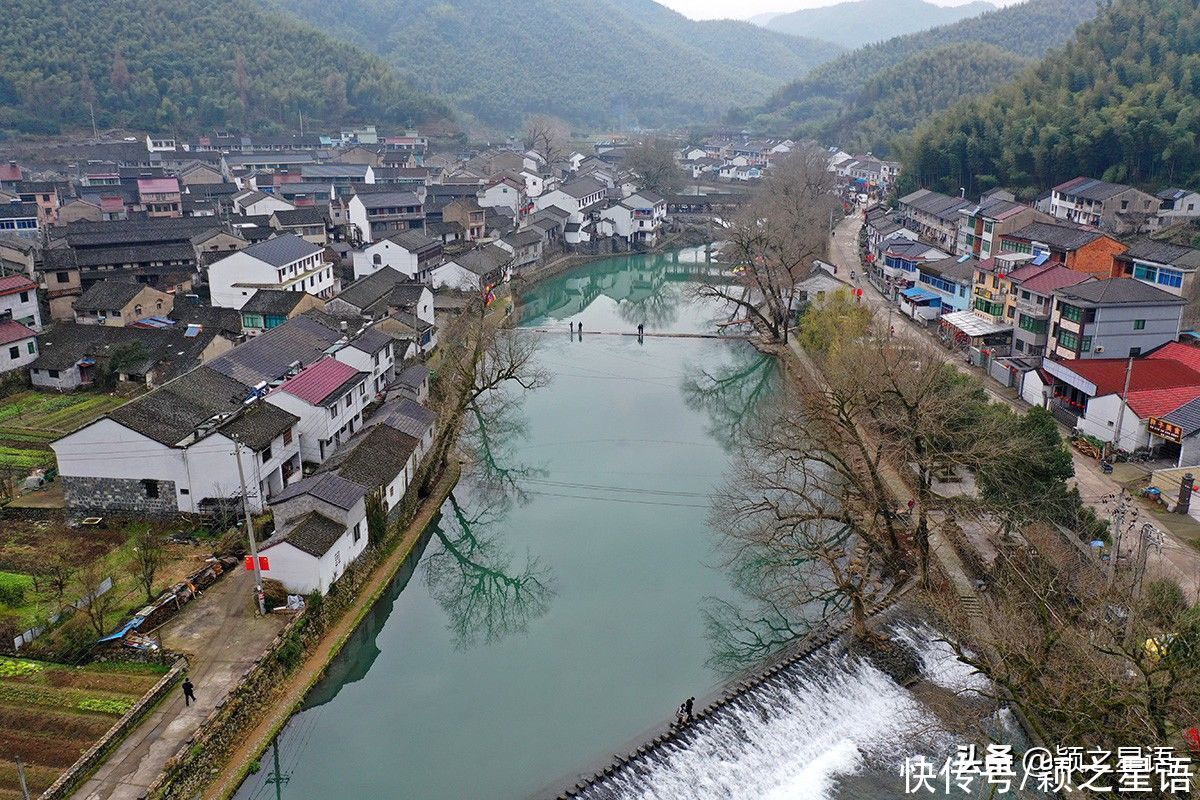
(853,24)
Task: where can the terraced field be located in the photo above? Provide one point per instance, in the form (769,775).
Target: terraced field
(50,713)
(30,420)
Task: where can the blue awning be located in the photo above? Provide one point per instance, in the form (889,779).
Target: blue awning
(1040,258)
(916,293)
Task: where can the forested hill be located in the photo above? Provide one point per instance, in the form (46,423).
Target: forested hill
(186,65)
(866,21)
(854,84)
(598,63)
(1119,103)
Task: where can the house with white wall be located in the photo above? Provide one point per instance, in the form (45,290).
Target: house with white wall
(19,302)
(328,398)
(18,346)
(286,262)
(411,253)
(578,198)
(176,450)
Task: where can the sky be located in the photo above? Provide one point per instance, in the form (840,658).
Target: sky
(741,9)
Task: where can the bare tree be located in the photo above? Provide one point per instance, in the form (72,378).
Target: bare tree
(653,161)
(95,605)
(480,356)
(149,553)
(60,569)
(547,136)
(774,241)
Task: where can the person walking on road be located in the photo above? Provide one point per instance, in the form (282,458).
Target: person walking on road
(189,692)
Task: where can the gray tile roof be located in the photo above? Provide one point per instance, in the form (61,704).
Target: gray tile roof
(366,292)
(581,188)
(1060,237)
(108,296)
(371,341)
(268,357)
(1163,253)
(305,215)
(1118,291)
(406,416)
(358,171)
(282,250)
(259,425)
(167,350)
(326,486)
(175,410)
(373,457)
(412,376)
(273,301)
(1187,416)
(485,260)
(371,200)
(314,533)
(413,241)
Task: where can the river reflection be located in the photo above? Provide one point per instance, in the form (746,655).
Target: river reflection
(557,609)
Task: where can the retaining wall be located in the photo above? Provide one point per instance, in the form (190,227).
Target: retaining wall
(67,782)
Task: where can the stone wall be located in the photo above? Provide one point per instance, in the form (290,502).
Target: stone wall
(126,495)
(108,742)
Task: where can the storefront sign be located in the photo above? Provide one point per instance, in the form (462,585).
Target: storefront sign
(1165,430)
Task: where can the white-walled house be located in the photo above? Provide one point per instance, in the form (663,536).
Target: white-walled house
(19,302)
(476,270)
(372,352)
(18,346)
(310,553)
(506,192)
(410,253)
(637,218)
(286,262)
(253,203)
(578,198)
(328,398)
(173,450)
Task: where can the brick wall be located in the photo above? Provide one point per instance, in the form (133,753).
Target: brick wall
(127,495)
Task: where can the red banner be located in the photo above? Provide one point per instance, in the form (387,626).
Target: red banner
(263,564)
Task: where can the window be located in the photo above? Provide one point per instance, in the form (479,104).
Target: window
(357,531)
(150,488)
(62,277)
(1086,345)
(377,259)
(1032,324)
(287,436)
(53,373)
(137,311)
(1068,340)
(14,352)
(1124,205)
(1025,295)
(31,348)
(266,454)
(1073,313)
(1170,277)
(1145,273)
(362,389)
(185,491)
(24,297)
(1019,345)
(1139,324)
(333,411)
(1135,352)
(158,304)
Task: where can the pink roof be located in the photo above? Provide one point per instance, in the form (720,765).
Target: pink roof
(110,204)
(157,185)
(1149,374)
(1056,277)
(10,172)
(11,284)
(315,383)
(12,331)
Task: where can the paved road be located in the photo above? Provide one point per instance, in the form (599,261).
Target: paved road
(1177,559)
(222,635)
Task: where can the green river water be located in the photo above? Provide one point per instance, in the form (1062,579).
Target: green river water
(545,627)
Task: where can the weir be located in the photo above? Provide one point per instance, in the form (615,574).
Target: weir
(721,726)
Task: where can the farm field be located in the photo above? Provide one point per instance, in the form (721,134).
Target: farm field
(51,713)
(30,420)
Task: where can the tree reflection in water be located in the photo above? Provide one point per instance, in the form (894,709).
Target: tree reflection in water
(486,593)
(730,394)
(651,301)
(486,596)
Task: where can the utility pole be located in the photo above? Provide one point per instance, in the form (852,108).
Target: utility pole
(21,779)
(1124,395)
(258,586)
(1117,531)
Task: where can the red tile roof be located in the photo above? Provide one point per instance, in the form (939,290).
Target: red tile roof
(11,284)
(316,383)
(10,172)
(1178,351)
(1108,374)
(157,185)
(12,331)
(1160,402)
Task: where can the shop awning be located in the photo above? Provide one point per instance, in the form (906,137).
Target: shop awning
(974,326)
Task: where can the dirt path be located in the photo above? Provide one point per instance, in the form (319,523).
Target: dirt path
(292,692)
(222,636)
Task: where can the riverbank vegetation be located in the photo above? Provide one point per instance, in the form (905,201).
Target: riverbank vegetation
(879,464)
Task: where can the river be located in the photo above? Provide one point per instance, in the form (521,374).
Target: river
(557,609)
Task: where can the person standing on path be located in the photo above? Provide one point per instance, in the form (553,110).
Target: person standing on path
(189,692)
